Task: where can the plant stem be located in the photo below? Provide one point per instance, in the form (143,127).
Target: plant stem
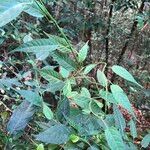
(49,17)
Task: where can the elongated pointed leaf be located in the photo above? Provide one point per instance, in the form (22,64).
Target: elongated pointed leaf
(114,139)
(47,112)
(122,72)
(38,45)
(107,96)
(67,88)
(20,118)
(83,53)
(101,78)
(119,120)
(63,109)
(133,129)
(34,10)
(89,68)
(64,61)
(51,75)
(30,96)
(9,10)
(57,134)
(146,141)
(121,97)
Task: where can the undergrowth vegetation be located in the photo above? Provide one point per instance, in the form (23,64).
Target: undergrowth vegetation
(56,91)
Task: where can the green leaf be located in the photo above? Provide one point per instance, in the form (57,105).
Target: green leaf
(74,138)
(30,96)
(85,92)
(89,68)
(38,45)
(55,86)
(114,139)
(51,75)
(33,10)
(146,141)
(133,129)
(67,88)
(122,72)
(57,134)
(40,147)
(119,120)
(64,61)
(10,10)
(42,55)
(120,96)
(63,109)
(85,124)
(47,112)
(107,96)
(20,118)
(83,53)
(65,73)
(101,78)
(64,47)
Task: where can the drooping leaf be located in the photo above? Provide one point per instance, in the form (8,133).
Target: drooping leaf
(57,134)
(119,120)
(38,45)
(30,96)
(64,61)
(63,109)
(20,117)
(122,72)
(83,53)
(6,9)
(89,68)
(121,97)
(133,129)
(47,112)
(51,75)
(146,141)
(102,78)
(114,139)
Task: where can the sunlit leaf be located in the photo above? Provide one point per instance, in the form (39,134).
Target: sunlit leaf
(47,112)
(83,53)
(101,78)
(40,147)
